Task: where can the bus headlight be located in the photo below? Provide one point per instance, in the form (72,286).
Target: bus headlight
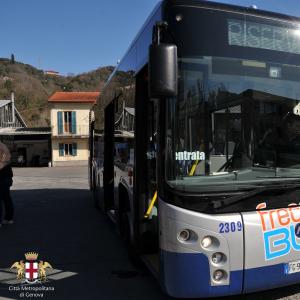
(218,257)
(206,242)
(219,275)
(184,235)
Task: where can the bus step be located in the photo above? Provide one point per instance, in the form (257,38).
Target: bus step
(152,262)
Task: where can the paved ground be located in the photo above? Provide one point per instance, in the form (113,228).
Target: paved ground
(55,217)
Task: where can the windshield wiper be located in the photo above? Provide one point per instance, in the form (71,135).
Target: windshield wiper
(280,176)
(276,172)
(258,165)
(261,190)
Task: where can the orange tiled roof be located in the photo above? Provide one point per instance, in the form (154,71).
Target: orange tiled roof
(74,97)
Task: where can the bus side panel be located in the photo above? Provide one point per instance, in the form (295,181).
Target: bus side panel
(186,267)
(187,275)
(270,245)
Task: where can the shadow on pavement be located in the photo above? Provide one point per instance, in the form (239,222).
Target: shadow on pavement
(68,232)
(89,259)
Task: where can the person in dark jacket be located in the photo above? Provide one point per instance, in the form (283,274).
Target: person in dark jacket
(6,181)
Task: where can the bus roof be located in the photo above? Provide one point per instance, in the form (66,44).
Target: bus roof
(233,8)
(156,8)
(165,4)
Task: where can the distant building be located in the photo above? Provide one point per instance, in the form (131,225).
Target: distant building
(9,115)
(28,146)
(52,73)
(69,114)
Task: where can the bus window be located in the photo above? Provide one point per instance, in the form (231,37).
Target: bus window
(227,137)
(122,154)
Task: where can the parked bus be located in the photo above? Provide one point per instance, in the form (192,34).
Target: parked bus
(205,188)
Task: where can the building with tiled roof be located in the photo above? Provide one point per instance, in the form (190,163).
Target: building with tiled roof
(74,97)
(69,114)
(52,73)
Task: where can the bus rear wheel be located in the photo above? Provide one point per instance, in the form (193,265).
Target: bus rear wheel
(132,251)
(95,198)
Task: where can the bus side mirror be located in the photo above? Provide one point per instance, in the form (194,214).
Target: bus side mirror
(163,70)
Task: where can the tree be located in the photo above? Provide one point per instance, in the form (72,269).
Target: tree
(12,59)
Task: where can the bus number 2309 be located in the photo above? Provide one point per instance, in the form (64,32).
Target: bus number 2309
(230,227)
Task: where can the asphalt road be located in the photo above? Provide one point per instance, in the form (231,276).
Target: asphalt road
(56,218)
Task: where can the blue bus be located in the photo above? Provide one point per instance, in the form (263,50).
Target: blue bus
(195,148)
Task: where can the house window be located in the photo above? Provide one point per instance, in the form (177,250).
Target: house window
(68,149)
(66,122)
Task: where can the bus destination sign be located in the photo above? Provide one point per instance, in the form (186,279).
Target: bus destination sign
(262,36)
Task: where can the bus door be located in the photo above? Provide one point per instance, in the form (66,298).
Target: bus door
(151,212)
(108,172)
(145,166)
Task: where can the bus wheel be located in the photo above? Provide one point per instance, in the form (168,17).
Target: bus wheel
(95,198)
(133,254)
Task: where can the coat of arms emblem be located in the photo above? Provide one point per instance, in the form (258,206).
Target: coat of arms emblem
(31,271)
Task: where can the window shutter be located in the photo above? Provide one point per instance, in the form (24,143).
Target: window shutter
(74,148)
(61,149)
(73,122)
(60,122)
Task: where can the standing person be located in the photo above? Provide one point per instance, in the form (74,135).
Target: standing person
(6,176)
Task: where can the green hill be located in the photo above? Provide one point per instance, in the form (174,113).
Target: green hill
(33,87)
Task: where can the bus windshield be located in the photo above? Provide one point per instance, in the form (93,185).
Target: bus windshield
(234,125)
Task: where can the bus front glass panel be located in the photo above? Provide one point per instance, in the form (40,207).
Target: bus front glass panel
(235,124)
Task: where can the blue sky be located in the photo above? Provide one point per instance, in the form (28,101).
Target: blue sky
(73,36)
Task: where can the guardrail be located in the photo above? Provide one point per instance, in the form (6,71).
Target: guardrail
(68,130)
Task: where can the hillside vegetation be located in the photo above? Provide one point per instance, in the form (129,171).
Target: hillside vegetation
(33,87)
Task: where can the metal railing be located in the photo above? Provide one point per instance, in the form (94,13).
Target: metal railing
(68,130)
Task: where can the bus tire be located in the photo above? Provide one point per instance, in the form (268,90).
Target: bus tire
(95,197)
(133,254)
